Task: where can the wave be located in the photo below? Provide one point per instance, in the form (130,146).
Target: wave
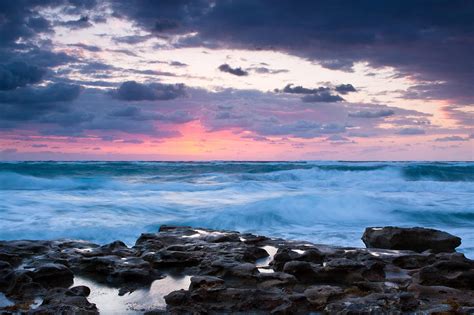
(329,202)
(439,172)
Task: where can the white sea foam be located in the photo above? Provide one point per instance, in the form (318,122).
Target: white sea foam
(330,202)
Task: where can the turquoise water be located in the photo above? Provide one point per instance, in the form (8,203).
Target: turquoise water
(326,202)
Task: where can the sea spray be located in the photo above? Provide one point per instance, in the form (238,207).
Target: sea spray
(329,202)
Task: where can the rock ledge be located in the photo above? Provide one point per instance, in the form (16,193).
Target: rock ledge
(245,273)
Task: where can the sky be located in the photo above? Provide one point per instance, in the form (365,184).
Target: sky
(236,80)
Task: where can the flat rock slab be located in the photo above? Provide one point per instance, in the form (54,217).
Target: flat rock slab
(231,272)
(417,239)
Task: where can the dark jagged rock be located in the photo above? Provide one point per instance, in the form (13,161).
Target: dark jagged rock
(234,273)
(320,295)
(64,301)
(417,239)
(53,275)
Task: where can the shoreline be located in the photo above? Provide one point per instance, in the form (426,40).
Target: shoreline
(192,270)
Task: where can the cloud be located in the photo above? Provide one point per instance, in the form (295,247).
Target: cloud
(289,88)
(319,94)
(265,70)
(132,39)
(135,113)
(19,74)
(162,25)
(177,64)
(92,48)
(300,129)
(177,117)
(451,138)
(345,88)
(420,41)
(325,97)
(410,131)
(133,91)
(235,71)
(369,114)
(36,56)
(82,22)
(53,93)
(133,141)
(463,117)
(338,139)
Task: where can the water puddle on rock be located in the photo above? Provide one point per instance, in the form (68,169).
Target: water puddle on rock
(108,301)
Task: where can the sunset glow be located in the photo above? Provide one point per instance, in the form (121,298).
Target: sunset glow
(104,82)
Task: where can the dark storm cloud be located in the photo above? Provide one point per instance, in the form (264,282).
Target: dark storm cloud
(345,88)
(289,88)
(134,91)
(312,95)
(163,25)
(19,74)
(324,97)
(39,24)
(20,18)
(136,113)
(374,114)
(132,39)
(430,41)
(235,71)
(82,22)
(53,93)
(30,103)
(37,56)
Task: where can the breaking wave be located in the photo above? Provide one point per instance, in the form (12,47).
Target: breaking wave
(329,202)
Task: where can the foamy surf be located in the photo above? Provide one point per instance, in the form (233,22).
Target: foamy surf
(328,202)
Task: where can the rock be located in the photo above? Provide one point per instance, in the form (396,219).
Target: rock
(64,301)
(51,275)
(245,270)
(7,277)
(177,297)
(208,283)
(302,278)
(417,239)
(457,274)
(220,238)
(319,295)
(253,253)
(118,270)
(414,261)
(80,290)
(302,270)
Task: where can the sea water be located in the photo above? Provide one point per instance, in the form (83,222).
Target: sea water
(322,202)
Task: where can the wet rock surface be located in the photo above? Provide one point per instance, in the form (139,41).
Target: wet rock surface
(417,239)
(232,272)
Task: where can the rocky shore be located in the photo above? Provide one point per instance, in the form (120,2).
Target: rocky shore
(402,270)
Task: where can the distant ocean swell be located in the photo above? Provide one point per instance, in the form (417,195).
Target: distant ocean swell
(329,202)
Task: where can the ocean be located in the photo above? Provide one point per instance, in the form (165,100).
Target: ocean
(322,202)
